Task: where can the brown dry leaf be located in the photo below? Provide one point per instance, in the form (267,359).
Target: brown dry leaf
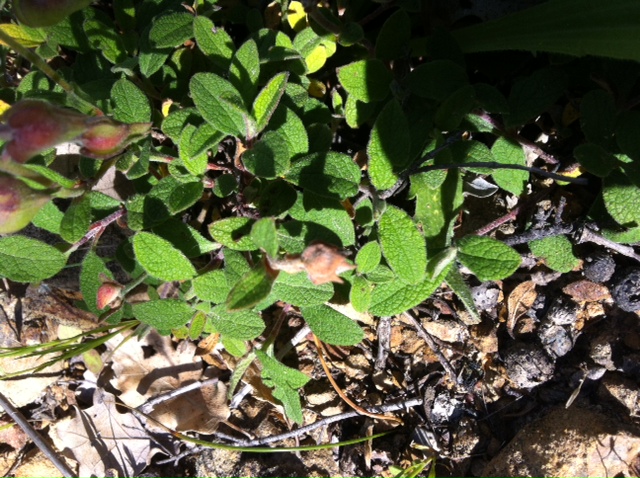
(36,464)
(520,300)
(446,330)
(323,263)
(101,437)
(199,410)
(141,377)
(12,435)
(587,291)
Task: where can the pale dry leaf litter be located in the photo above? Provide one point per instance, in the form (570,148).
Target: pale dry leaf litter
(101,437)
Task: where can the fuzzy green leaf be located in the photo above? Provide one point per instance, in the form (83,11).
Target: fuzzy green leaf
(437,79)
(291,127)
(394,297)
(131,104)
(393,39)
(298,290)
(265,236)
(595,159)
(389,146)
(509,152)
(366,80)
(621,198)
(454,109)
(243,325)
(49,218)
(331,174)
(76,220)
(253,287)
(360,294)
(286,381)
(488,258)
(402,245)
(598,117)
(459,286)
(557,253)
(171,30)
(268,99)
(211,286)
(269,157)
(92,267)
(23,259)
(160,259)
(533,95)
(233,232)
(220,103)
(111,45)
(368,257)
(163,314)
(331,326)
(327,219)
(213,41)
(245,70)
(184,237)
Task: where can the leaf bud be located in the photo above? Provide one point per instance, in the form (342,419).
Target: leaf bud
(43,13)
(106,137)
(109,295)
(18,204)
(35,126)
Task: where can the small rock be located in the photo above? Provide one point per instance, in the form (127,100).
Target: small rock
(569,442)
(555,339)
(626,290)
(625,391)
(562,312)
(527,365)
(599,267)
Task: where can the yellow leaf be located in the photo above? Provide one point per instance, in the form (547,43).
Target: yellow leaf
(4,107)
(296,16)
(316,88)
(27,37)
(316,59)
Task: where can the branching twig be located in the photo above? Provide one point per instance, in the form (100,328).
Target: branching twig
(535,234)
(586,234)
(35,437)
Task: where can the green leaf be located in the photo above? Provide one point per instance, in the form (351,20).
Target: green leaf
(357,113)
(598,117)
(488,258)
(437,79)
(224,185)
(173,124)
(366,80)
(557,253)
(333,175)
(268,100)
(220,103)
(595,159)
(211,286)
(286,381)
(331,326)
(265,236)
(312,48)
(235,266)
(160,259)
(233,232)
(184,237)
(106,40)
(402,245)
(360,294)
(23,259)
(393,39)
(457,284)
(291,127)
(627,134)
(92,267)
(621,198)
(330,220)
(243,325)
(76,220)
(389,146)
(245,70)
(535,94)
(163,314)
(253,287)
(298,290)
(276,198)
(131,104)
(570,27)
(196,164)
(368,257)
(269,157)
(171,30)
(213,41)
(394,297)
(454,109)
(509,152)
(49,218)
(151,59)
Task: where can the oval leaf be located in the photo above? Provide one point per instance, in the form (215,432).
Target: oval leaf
(160,259)
(23,259)
(163,314)
(331,326)
(487,258)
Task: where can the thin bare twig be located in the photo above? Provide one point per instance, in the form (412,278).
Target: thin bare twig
(35,437)
(433,346)
(392,407)
(586,234)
